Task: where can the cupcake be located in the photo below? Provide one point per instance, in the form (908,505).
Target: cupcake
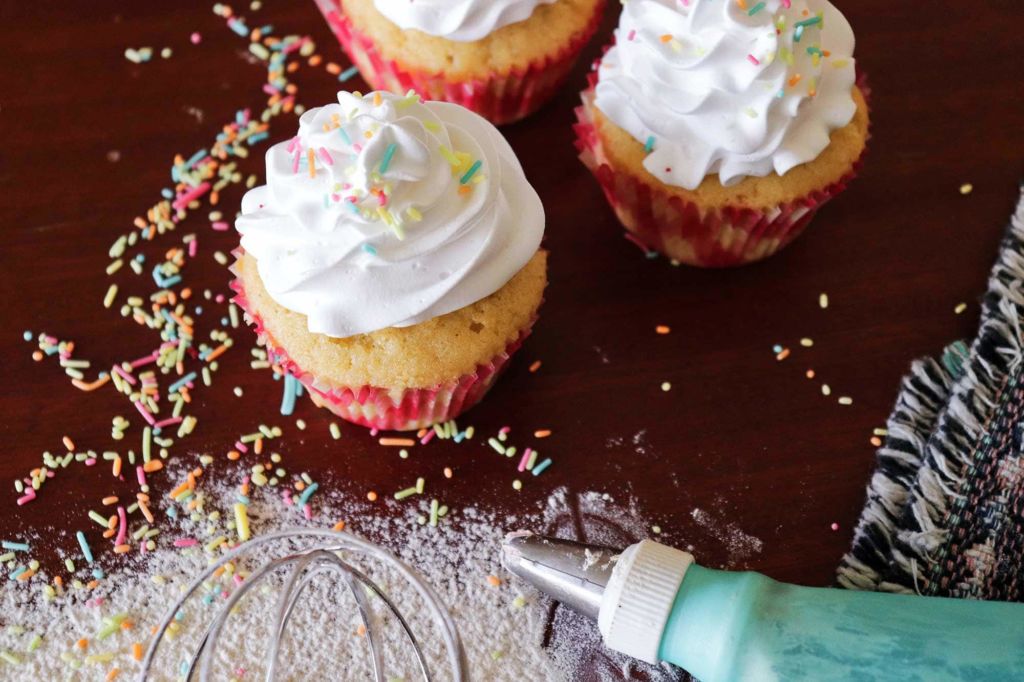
(717,128)
(501,58)
(391,263)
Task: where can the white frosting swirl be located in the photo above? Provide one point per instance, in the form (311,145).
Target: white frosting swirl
(730,87)
(413,210)
(459,20)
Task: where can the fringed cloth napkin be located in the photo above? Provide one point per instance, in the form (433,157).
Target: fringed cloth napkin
(945,509)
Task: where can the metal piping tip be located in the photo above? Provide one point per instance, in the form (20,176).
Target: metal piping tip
(570,572)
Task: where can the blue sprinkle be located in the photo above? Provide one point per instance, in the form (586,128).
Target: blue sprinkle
(368,248)
(258,137)
(471,172)
(27,335)
(776,349)
(288,399)
(307,493)
(98,573)
(196,158)
(541,467)
(649,145)
(167,193)
(348,73)
(388,155)
(238,27)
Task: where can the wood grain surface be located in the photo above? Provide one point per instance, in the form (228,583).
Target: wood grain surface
(88,140)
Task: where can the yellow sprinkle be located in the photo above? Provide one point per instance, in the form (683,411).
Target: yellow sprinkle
(960,308)
(242,521)
(311,155)
(823,301)
(666,386)
(806,342)
(414,214)
(846,400)
(966,188)
(109,298)
(826,389)
(377,99)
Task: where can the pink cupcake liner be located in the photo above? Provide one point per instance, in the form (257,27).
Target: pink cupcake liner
(680,229)
(500,98)
(383,408)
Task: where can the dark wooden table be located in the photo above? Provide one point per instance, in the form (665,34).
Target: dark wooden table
(88,140)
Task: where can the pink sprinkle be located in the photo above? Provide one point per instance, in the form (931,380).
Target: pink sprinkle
(140,474)
(219,298)
(834,526)
(753,60)
(144,360)
(293,144)
(326,156)
(185,542)
(295,161)
(145,413)
(90,462)
(122,526)
(29,495)
(196,37)
(632,34)
(240,446)
(238,579)
(294,46)
(307,512)
(270,89)
(374,432)
(116,369)
(787,3)
(220,226)
(357,147)
(167,422)
(504,430)
(427,437)
(183,199)
(526,458)
(193,246)
(245,116)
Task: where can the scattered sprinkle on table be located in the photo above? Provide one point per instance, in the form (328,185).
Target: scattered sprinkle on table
(966,188)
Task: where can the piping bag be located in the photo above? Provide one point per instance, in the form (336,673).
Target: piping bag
(654,603)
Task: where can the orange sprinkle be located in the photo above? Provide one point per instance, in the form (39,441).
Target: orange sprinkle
(109,500)
(371,496)
(742,3)
(68,443)
(662,329)
(542,433)
(122,549)
(448,473)
(465,189)
(535,366)
(58,581)
(83,386)
(809,374)
(127,624)
(361,630)
(315,60)
(112,521)
(37,355)
(333,68)
(137,651)
(293,67)
(666,37)
(794,80)
(876,441)
(114,672)
(399,442)
(493,580)
(311,155)
(214,197)
(234,455)
(82,643)
(109,533)
(116,469)
(258,446)
(300,486)
(145,511)
(152,465)
(340,525)
(26,575)
(377,99)
(186,293)
(218,351)
(782,355)
(421,433)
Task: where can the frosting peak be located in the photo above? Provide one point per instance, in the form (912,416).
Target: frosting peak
(458,20)
(711,86)
(386,211)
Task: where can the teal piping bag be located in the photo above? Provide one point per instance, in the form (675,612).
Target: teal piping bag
(654,603)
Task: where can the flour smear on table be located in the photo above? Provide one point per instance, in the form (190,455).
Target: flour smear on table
(509,631)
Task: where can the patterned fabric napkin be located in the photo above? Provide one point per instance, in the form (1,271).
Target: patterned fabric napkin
(945,508)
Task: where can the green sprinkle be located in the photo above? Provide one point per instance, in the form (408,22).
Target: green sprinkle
(433,512)
(471,172)
(807,22)
(649,145)
(389,154)
(70,565)
(402,494)
(493,442)
(755,9)
(35,643)
(10,658)
(97,518)
(335,431)
(108,300)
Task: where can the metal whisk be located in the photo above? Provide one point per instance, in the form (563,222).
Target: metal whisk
(301,568)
